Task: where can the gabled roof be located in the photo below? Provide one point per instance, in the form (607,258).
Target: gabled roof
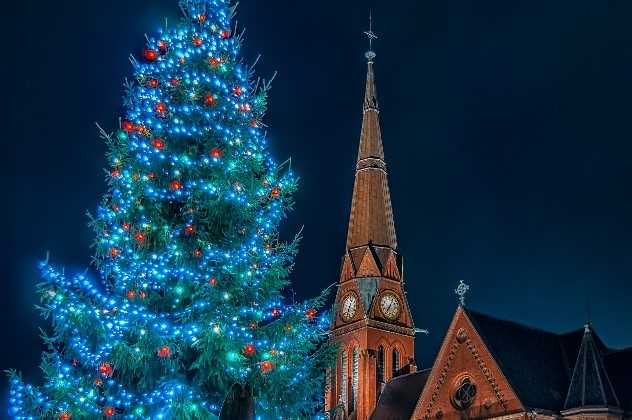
(400,395)
(590,384)
(534,361)
(538,364)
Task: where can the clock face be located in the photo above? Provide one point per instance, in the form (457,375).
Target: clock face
(349,307)
(389,305)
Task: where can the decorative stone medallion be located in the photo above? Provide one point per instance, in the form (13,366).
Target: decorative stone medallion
(461,335)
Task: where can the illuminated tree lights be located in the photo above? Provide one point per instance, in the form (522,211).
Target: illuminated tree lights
(192,268)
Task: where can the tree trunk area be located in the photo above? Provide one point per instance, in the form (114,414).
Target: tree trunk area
(239,404)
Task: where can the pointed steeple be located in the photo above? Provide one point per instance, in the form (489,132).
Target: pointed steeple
(590,385)
(371,218)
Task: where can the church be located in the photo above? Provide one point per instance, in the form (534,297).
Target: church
(486,367)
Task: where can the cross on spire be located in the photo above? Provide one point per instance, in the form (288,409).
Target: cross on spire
(461,292)
(370,54)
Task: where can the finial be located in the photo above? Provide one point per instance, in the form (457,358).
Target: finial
(587,327)
(370,54)
(461,291)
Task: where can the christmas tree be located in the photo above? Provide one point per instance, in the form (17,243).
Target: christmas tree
(189,303)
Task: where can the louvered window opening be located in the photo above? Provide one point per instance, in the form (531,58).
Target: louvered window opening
(396,364)
(354,379)
(344,380)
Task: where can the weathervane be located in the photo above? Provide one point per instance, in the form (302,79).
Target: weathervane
(370,55)
(461,291)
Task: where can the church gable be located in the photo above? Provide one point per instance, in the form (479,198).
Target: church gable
(368,266)
(391,271)
(404,318)
(466,381)
(350,290)
(347,269)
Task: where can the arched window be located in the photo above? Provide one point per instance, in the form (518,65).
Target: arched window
(354,379)
(396,363)
(343,378)
(380,365)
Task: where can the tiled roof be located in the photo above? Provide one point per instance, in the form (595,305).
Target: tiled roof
(539,364)
(400,395)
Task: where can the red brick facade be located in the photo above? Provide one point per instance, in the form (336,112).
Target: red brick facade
(464,356)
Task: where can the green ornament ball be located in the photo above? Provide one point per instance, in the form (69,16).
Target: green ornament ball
(121,135)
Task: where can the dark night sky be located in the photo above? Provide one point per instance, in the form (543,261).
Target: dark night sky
(506,129)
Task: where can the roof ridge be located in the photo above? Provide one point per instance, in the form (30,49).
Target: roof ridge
(410,374)
(522,325)
(617,351)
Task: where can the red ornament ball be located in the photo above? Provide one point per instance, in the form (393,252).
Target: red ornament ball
(174,82)
(311,313)
(161,108)
(216,152)
(175,185)
(109,411)
(212,281)
(214,62)
(115,173)
(153,83)
(131,294)
(225,34)
(158,143)
(164,352)
(197,252)
(106,369)
(150,55)
(249,349)
(254,123)
(275,312)
(209,99)
(237,91)
(202,18)
(64,416)
(266,366)
(197,41)
(189,229)
(162,46)
(127,126)
(276,192)
(125,226)
(98,381)
(140,237)
(115,252)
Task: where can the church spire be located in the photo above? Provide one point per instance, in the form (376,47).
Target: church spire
(371,219)
(590,385)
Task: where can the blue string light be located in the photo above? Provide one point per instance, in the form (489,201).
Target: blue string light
(191,269)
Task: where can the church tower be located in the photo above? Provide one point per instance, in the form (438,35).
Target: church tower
(373,324)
